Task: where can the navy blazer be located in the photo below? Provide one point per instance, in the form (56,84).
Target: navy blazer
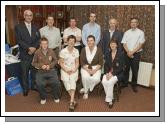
(117,65)
(24,40)
(106,40)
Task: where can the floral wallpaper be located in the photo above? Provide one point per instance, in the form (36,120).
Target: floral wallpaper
(123,13)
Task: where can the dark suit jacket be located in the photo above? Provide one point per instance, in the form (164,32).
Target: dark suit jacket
(24,40)
(106,40)
(116,66)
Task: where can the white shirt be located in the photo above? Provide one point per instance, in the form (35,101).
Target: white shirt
(69,58)
(28,25)
(111,33)
(53,36)
(132,38)
(72,31)
(90,55)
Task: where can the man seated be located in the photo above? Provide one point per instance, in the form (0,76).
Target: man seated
(44,60)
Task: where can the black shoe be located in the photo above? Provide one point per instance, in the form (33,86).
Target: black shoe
(110,105)
(34,89)
(124,85)
(71,107)
(25,93)
(134,88)
(75,104)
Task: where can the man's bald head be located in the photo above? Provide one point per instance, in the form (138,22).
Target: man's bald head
(28,16)
(27,12)
(113,23)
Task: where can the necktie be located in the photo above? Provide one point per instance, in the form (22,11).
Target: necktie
(29,29)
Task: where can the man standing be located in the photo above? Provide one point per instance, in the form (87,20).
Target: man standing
(44,60)
(27,37)
(91,28)
(73,30)
(112,33)
(52,34)
(133,41)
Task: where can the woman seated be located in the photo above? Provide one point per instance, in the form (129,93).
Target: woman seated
(113,70)
(91,59)
(69,62)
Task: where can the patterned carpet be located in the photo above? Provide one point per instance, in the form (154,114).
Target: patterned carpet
(143,101)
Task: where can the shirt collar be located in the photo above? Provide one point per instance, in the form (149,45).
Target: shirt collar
(49,27)
(27,23)
(90,24)
(43,51)
(134,29)
(72,28)
(111,31)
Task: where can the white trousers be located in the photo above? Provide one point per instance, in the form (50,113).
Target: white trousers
(108,87)
(89,82)
(69,80)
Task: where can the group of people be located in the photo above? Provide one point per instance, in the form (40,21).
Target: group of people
(84,53)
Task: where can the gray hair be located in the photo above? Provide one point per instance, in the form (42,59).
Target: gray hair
(27,11)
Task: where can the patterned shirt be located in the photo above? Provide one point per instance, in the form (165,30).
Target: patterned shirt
(69,58)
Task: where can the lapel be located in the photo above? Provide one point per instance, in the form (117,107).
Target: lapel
(110,61)
(26,30)
(32,30)
(115,34)
(108,36)
(113,62)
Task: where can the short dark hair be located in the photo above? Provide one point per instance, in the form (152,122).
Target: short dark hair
(92,13)
(43,39)
(72,18)
(50,16)
(71,37)
(113,40)
(134,18)
(91,36)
